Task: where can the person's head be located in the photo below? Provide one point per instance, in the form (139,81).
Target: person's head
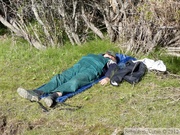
(110,54)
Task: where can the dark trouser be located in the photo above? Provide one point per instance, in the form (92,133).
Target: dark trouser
(70,80)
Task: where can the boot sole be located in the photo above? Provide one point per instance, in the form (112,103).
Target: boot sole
(25,94)
(47,101)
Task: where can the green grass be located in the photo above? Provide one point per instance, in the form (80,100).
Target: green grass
(153,102)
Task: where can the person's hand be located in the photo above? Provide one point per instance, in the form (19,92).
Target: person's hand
(104,81)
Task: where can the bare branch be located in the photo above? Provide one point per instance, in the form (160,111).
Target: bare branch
(90,25)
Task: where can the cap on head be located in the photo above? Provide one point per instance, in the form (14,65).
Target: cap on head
(111,53)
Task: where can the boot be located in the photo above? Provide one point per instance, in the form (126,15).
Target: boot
(28,94)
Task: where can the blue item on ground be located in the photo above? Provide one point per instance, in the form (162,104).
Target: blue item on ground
(122,58)
(69,95)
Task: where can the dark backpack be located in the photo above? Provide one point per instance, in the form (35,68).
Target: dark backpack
(132,73)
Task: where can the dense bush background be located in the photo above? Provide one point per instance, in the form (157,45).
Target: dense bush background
(139,26)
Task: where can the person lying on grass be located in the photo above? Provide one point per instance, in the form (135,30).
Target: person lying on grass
(86,71)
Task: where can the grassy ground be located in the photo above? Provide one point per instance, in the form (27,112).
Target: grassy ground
(101,110)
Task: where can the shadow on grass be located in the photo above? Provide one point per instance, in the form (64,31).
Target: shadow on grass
(60,106)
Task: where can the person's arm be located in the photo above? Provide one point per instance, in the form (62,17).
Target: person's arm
(111,68)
